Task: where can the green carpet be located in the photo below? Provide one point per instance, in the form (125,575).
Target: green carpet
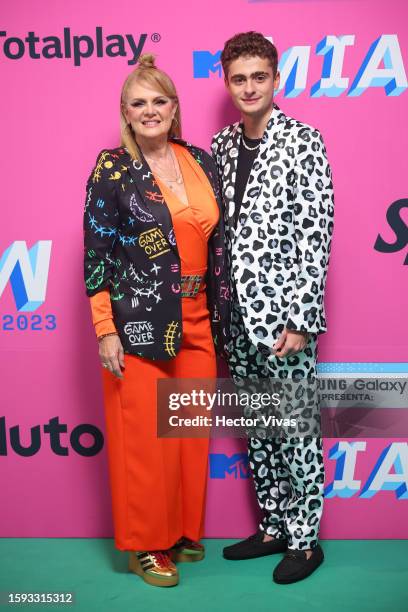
(356,576)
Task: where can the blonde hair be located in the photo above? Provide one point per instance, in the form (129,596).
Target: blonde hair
(148,73)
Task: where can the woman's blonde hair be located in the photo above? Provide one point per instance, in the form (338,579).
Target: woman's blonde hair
(146,72)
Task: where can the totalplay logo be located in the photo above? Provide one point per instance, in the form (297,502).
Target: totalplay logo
(70,46)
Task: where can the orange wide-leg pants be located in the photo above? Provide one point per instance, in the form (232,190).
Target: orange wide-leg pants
(158,485)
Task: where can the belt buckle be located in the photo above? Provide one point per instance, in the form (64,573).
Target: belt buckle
(190,284)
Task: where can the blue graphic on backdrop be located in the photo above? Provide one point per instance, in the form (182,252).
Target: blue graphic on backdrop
(382,67)
(235,465)
(390,472)
(205,62)
(27,271)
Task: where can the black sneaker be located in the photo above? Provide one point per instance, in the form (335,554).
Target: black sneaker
(254,547)
(295,566)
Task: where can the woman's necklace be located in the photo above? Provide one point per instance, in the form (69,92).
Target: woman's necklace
(178,175)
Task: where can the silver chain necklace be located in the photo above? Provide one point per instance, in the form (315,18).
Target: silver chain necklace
(179,176)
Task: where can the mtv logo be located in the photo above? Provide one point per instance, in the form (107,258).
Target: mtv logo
(27,271)
(206,62)
(221,464)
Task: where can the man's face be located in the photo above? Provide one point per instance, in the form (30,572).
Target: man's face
(251,85)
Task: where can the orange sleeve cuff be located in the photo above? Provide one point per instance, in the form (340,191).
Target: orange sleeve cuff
(102,316)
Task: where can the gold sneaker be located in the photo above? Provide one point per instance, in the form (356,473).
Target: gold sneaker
(188,551)
(155,567)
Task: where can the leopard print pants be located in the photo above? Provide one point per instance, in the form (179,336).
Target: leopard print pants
(288,472)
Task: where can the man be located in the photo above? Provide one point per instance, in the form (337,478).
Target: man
(278,196)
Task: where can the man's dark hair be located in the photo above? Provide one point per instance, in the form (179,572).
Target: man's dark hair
(249,44)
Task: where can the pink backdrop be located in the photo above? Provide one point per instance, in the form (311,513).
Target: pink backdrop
(55,119)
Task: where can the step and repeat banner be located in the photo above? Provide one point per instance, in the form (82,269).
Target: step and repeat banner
(344,70)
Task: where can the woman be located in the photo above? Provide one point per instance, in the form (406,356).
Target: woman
(153,263)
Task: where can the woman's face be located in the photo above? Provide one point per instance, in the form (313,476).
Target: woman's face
(149,112)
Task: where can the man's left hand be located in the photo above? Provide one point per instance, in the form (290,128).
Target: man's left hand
(290,342)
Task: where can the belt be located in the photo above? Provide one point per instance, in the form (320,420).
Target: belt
(191,284)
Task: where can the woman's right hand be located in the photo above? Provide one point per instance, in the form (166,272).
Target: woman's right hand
(112,355)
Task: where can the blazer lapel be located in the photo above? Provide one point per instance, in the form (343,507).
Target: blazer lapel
(260,168)
(229,177)
(152,198)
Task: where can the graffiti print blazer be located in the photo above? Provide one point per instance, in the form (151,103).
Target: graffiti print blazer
(279,250)
(130,248)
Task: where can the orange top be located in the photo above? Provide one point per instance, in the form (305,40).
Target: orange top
(193,224)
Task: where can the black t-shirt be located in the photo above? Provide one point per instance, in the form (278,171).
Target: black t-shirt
(245,161)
